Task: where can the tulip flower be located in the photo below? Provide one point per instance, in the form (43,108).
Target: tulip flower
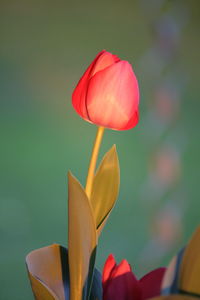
(108,94)
(119,282)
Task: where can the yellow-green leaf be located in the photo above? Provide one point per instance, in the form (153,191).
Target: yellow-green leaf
(105,187)
(190,267)
(102,224)
(82,239)
(45,273)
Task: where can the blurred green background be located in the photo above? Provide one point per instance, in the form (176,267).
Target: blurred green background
(45,46)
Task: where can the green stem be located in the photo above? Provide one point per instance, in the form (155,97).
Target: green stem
(93,161)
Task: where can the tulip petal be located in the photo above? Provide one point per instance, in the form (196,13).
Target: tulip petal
(105,187)
(113,97)
(45,273)
(151,283)
(122,284)
(105,60)
(82,240)
(101,61)
(78,96)
(122,269)
(109,266)
(133,121)
(190,266)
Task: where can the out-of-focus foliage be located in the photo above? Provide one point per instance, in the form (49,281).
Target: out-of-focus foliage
(44,48)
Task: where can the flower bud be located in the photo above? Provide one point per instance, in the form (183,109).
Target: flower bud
(108,94)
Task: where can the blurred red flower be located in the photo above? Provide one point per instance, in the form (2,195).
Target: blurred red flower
(119,282)
(108,93)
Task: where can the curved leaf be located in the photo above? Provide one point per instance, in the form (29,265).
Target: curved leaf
(190,267)
(40,263)
(40,290)
(82,240)
(45,273)
(105,187)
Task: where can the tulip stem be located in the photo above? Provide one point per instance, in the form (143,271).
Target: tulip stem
(93,161)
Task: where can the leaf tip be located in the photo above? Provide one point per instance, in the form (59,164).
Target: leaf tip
(113,152)
(113,148)
(70,175)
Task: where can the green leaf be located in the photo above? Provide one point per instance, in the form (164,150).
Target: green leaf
(105,187)
(82,240)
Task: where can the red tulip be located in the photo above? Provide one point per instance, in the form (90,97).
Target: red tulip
(108,94)
(119,282)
